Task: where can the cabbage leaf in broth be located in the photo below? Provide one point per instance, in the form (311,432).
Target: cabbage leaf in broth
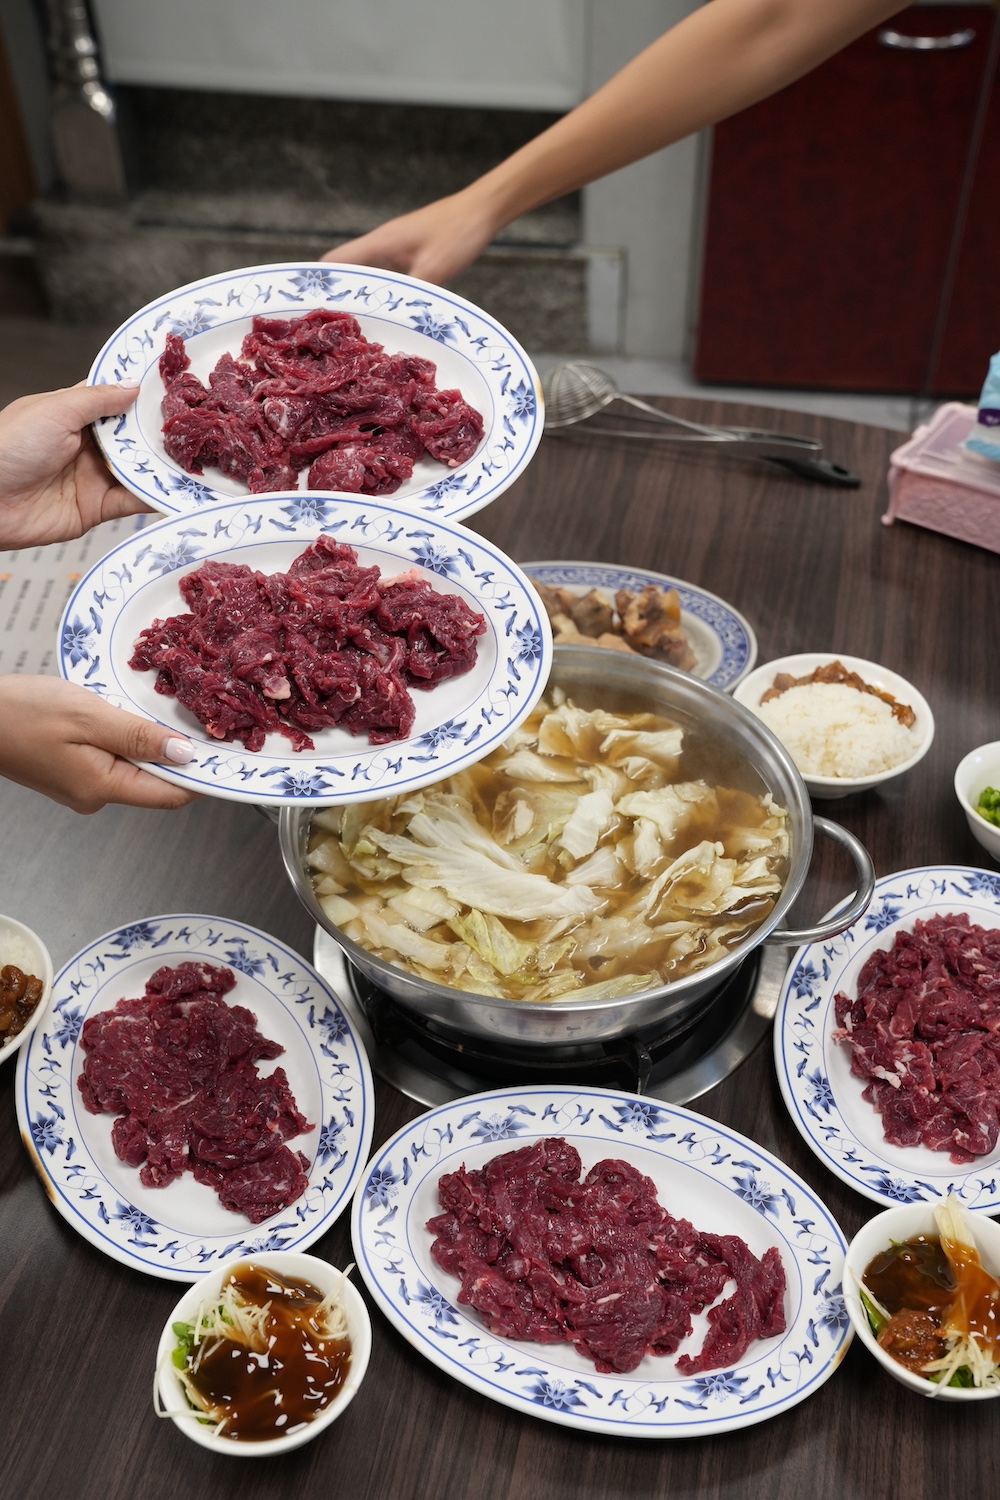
(572,861)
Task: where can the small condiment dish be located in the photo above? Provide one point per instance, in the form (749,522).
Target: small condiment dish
(26,951)
(978,770)
(168,1392)
(753,687)
(892,1226)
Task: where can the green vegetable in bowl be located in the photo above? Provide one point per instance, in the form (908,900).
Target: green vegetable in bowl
(988,806)
(876,1313)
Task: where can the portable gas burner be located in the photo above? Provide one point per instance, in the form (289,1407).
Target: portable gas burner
(434,1065)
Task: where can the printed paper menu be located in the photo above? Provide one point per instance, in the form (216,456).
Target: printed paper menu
(34,587)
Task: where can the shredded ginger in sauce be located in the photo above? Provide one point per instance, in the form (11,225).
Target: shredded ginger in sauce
(934,1307)
(265,1356)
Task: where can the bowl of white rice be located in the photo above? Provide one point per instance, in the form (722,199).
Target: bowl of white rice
(843,737)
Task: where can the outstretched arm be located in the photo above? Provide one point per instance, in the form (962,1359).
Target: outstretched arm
(724,57)
(54,484)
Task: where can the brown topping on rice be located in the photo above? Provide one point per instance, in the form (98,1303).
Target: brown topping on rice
(836,672)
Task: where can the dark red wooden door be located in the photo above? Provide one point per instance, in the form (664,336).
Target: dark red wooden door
(971,317)
(831,212)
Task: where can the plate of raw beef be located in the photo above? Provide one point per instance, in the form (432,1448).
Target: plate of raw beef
(194,1092)
(604,1261)
(311,375)
(886,1041)
(315,649)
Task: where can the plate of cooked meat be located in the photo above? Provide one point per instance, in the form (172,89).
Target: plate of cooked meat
(603,1261)
(632,609)
(314,649)
(194,1092)
(886,1041)
(318,376)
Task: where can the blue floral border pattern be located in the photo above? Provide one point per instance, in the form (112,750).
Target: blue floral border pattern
(805,1019)
(61,1136)
(391,1245)
(513,427)
(517,627)
(737,643)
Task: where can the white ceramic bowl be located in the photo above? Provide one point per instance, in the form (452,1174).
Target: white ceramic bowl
(169,1392)
(753,687)
(878,1234)
(979,769)
(25,949)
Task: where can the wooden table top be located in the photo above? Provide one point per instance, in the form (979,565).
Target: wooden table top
(812,569)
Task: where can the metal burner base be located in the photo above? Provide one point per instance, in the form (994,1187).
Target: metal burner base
(432,1072)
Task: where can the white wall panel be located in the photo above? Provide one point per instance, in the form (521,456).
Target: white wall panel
(649,210)
(524,54)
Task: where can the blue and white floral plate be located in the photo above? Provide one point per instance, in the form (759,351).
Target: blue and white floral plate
(457,722)
(182,1231)
(814,1071)
(721,639)
(471,350)
(718,1179)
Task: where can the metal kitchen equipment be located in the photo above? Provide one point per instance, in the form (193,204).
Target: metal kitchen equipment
(423,1062)
(709,717)
(576,391)
(83,114)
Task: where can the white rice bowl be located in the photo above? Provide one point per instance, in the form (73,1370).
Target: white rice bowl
(831,729)
(842,740)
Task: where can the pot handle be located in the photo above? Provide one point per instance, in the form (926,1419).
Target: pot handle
(846,914)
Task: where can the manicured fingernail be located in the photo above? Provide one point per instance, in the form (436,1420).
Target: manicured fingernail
(181,752)
(129,382)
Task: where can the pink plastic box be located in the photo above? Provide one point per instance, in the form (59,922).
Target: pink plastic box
(934,482)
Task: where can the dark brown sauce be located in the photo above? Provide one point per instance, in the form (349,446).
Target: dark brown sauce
(929,1289)
(914,1274)
(19,994)
(275,1392)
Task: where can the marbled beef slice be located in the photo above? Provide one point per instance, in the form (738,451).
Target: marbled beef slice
(177,1066)
(313,393)
(545,1257)
(924,1034)
(327,643)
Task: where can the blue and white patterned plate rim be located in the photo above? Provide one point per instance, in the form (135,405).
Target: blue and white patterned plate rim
(358,772)
(295,287)
(528,1378)
(803,1047)
(737,643)
(60,1135)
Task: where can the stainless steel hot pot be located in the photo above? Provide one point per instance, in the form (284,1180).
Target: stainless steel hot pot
(722,728)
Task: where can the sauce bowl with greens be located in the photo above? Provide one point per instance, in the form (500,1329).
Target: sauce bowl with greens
(977,785)
(262,1354)
(897,1262)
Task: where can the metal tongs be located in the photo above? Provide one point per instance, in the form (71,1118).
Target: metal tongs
(575,391)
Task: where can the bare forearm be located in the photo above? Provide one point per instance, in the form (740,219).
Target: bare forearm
(724,57)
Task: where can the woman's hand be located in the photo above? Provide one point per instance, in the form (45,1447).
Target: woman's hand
(53,482)
(67,743)
(433,243)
